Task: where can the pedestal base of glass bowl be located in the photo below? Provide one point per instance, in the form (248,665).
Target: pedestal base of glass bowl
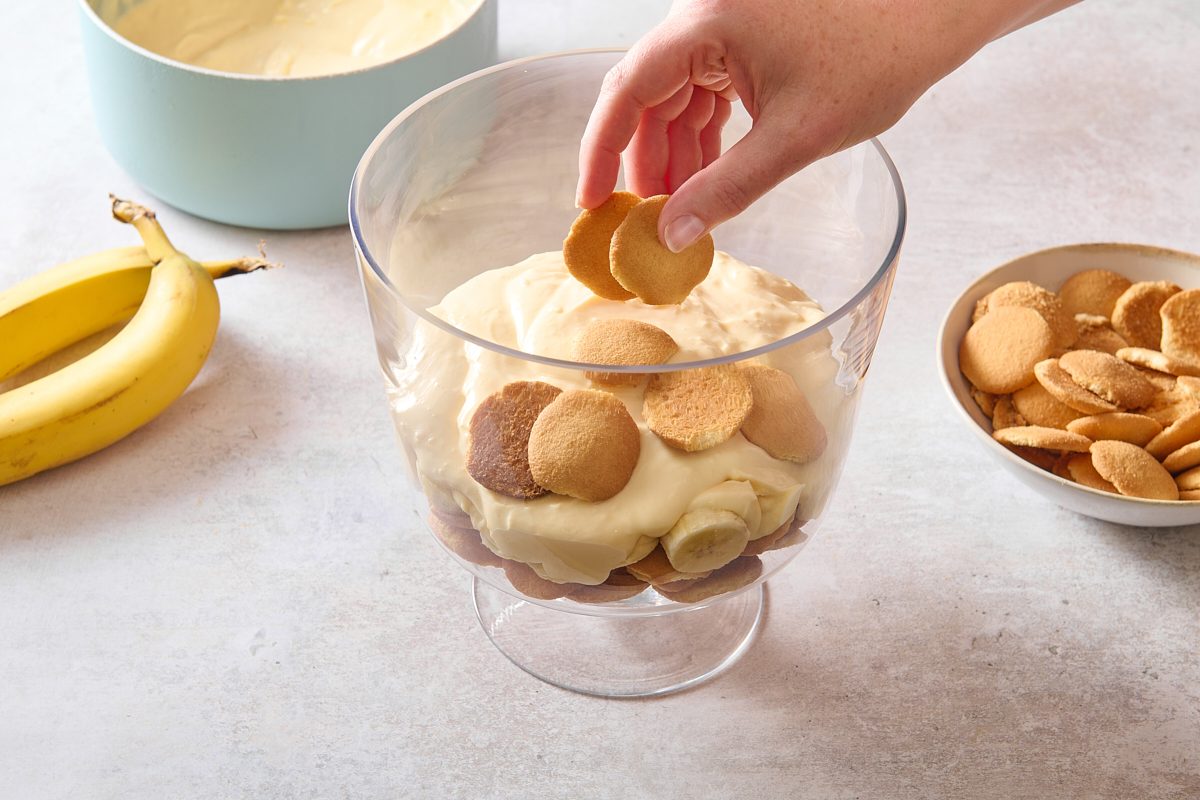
(620,656)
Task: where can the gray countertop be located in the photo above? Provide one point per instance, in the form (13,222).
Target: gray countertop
(235,602)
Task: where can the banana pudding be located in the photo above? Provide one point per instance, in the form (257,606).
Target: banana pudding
(714,465)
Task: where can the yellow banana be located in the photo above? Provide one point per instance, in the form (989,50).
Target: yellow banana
(129,380)
(704,539)
(64,305)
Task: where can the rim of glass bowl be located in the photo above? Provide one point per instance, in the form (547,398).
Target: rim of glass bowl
(825,322)
(251,77)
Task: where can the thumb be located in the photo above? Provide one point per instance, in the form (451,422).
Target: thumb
(725,188)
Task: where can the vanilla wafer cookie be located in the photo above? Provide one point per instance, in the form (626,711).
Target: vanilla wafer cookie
(1183,431)
(1024,294)
(1043,438)
(463,542)
(740,572)
(1083,472)
(1118,426)
(619,585)
(584,444)
(527,582)
(1184,458)
(1180,316)
(1158,361)
(1059,383)
(1108,377)
(1135,315)
(998,353)
(1133,471)
(696,409)
(1039,407)
(1093,291)
(586,248)
(644,266)
(780,420)
(498,456)
(625,342)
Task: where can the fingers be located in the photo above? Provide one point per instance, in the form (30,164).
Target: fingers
(730,183)
(686,156)
(650,150)
(649,75)
(710,136)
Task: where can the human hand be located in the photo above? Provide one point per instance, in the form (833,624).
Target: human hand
(816,76)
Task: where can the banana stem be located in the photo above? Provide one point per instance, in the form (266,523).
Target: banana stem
(237,266)
(158,246)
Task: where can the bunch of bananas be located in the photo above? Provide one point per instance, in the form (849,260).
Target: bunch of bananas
(172,310)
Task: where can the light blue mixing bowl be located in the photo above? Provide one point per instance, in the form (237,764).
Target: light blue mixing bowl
(251,150)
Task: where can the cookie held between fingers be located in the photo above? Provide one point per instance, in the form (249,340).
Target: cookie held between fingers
(1180,317)
(1160,362)
(1109,377)
(585,445)
(999,351)
(1043,438)
(1135,315)
(1093,291)
(626,342)
(1024,294)
(780,420)
(498,453)
(642,265)
(1058,382)
(696,409)
(740,572)
(1039,407)
(586,248)
(1183,431)
(1083,472)
(1117,426)
(1133,471)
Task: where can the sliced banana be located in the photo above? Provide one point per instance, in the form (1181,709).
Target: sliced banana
(705,539)
(779,497)
(735,496)
(643,548)
(779,508)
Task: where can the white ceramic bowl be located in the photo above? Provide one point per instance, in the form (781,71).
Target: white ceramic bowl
(1049,268)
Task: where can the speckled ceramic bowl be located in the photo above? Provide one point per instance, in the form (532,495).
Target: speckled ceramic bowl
(1049,268)
(252,150)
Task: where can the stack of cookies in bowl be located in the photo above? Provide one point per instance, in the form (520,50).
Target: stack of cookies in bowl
(1096,380)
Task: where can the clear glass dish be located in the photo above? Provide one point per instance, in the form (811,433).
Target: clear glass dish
(480,175)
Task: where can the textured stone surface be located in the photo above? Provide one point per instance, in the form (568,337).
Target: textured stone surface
(230,604)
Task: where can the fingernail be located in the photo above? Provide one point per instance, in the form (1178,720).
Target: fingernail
(681,232)
(578,199)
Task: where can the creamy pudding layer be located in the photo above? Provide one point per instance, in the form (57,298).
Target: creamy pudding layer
(537,307)
(293,38)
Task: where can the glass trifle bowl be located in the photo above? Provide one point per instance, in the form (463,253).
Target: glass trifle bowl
(718,464)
